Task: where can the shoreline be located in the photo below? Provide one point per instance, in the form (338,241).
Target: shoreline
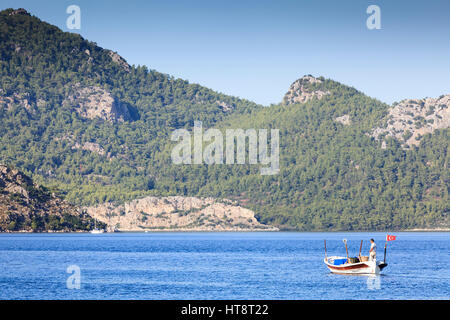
(227,231)
(427,230)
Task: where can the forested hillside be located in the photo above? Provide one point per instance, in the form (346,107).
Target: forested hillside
(78,117)
(49,78)
(334,175)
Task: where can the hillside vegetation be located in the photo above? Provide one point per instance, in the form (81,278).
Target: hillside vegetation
(77,117)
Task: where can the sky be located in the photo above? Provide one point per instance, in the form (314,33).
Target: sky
(256,49)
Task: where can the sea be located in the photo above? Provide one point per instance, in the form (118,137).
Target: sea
(218,266)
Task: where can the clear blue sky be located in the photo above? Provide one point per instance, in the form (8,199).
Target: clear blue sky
(256,49)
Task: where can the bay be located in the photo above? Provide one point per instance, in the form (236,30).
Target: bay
(247,265)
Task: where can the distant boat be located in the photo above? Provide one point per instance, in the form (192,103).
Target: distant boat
(95,230)
(354,265)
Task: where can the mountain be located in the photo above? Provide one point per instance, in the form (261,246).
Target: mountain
(26,206)
(92,124)
(334,175)
(79,118)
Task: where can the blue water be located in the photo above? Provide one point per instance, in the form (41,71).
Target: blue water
(218,266)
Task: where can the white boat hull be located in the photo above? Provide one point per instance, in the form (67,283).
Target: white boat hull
(366,267)
(96,231)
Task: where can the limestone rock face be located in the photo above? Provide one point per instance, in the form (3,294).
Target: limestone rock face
(300,91)
(345,120)
(177,213)
(20,11)
(410,119)
(116,58)
(21,99)
(13,182)
(95,102)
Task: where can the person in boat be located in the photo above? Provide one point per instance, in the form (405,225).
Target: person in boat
(373,250)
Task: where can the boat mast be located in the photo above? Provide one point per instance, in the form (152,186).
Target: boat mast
(346,249)
(360,247)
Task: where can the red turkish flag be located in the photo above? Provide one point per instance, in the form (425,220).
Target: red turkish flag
(390,237)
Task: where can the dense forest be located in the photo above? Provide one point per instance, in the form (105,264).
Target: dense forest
(332,176)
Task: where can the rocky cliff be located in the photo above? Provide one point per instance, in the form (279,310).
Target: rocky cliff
(177,213)
(116,58)
(95,102)
(26,206)
(304,89)
(410,119)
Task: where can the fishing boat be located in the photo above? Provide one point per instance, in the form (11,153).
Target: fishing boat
(354,265)
(341,265)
